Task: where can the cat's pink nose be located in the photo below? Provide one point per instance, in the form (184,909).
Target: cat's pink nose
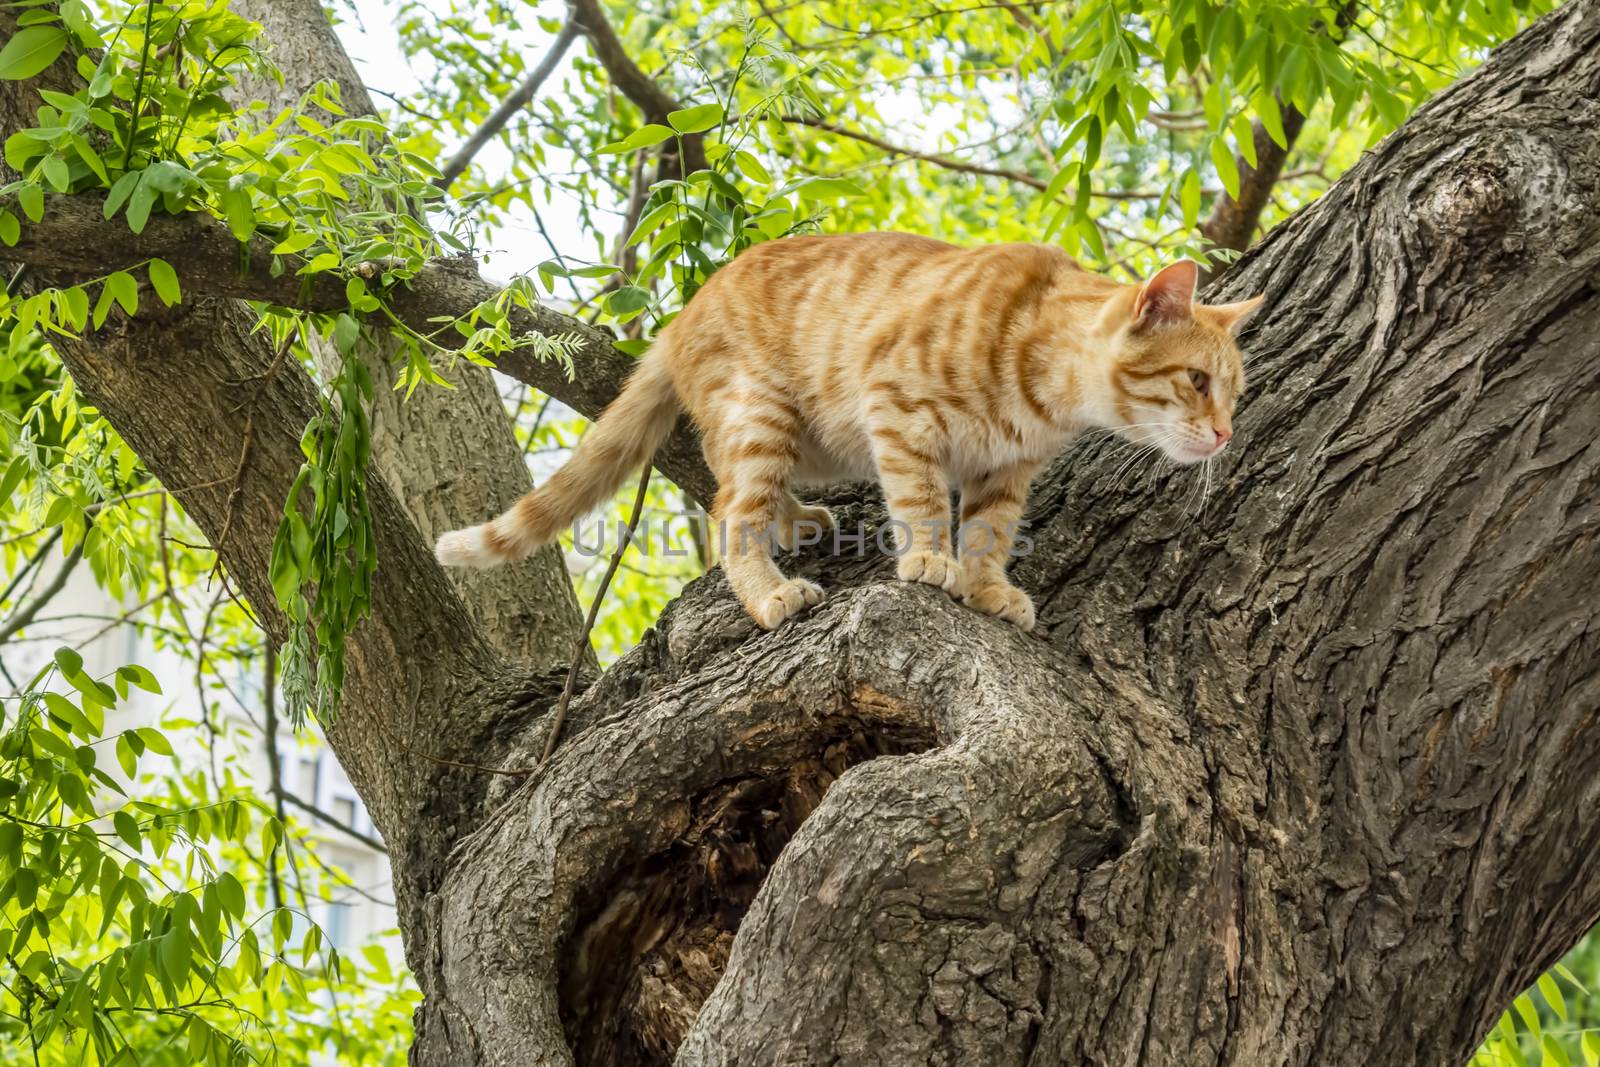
(1222,436)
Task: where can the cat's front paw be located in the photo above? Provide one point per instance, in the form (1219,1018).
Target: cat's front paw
(932,568)
(791,598)
(1004,601)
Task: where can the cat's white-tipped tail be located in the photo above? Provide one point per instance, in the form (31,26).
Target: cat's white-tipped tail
(466,548)
(621,441)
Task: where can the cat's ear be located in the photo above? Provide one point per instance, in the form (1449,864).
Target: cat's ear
(1233,316)
(1168,296)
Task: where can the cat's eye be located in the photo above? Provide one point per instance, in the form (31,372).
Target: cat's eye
(1201,381)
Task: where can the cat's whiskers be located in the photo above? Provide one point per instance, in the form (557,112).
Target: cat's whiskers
(1197,495)
(1140,447)
(1120,441)
(1129,461)
(1132,461)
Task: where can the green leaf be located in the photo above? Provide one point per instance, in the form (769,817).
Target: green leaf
(644,137)
(69,713)
(165,176)
(139,205)
(22,147)
(630,299)
(595,270)
(240,214)
(1552,1053)
(154,740)
(31,51)
(696,119)
(175,952)
(90,157)
(1227,165)
(69,661)
(346,332)
(652,221)
(828,188)
(165,282)
(126,758)
(15,472)
(31,197)
(1530,1014)
(1271,116)
(102,307)
(10,230)
(57,174)
(140,677)
(1189,197)
(124,290)
(282,927)
(323,261)
(1062,179)
(1591,1049)
(295,242)
(120,191)
(231,893)
(26,888)
(1552,995)
(751,167)
(1561,968)
(1245,135)
(127,828)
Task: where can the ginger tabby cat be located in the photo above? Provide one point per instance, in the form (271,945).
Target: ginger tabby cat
(927,365)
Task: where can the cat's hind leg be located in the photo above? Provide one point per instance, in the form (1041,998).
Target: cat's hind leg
(801,524)
(752,455)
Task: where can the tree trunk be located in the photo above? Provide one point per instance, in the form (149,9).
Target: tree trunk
(1303,770)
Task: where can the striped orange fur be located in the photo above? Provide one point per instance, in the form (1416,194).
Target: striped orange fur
(924,364)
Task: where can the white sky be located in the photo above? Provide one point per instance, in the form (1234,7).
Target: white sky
(374,45)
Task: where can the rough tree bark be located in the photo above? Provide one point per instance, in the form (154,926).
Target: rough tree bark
(1302,771)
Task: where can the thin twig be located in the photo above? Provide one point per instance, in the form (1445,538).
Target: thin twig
(910,153)
(343,827)
(578,658)
(94,509)
(441,761)
(274,762)
(237,491)
(26,613)
(38,557)
(520,98)
(560,719)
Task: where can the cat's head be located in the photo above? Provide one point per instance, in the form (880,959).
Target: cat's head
(1175,370)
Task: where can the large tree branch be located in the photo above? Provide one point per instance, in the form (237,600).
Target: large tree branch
(74,237)
(775,724)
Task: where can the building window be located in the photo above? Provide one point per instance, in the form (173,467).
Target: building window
(337,926)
